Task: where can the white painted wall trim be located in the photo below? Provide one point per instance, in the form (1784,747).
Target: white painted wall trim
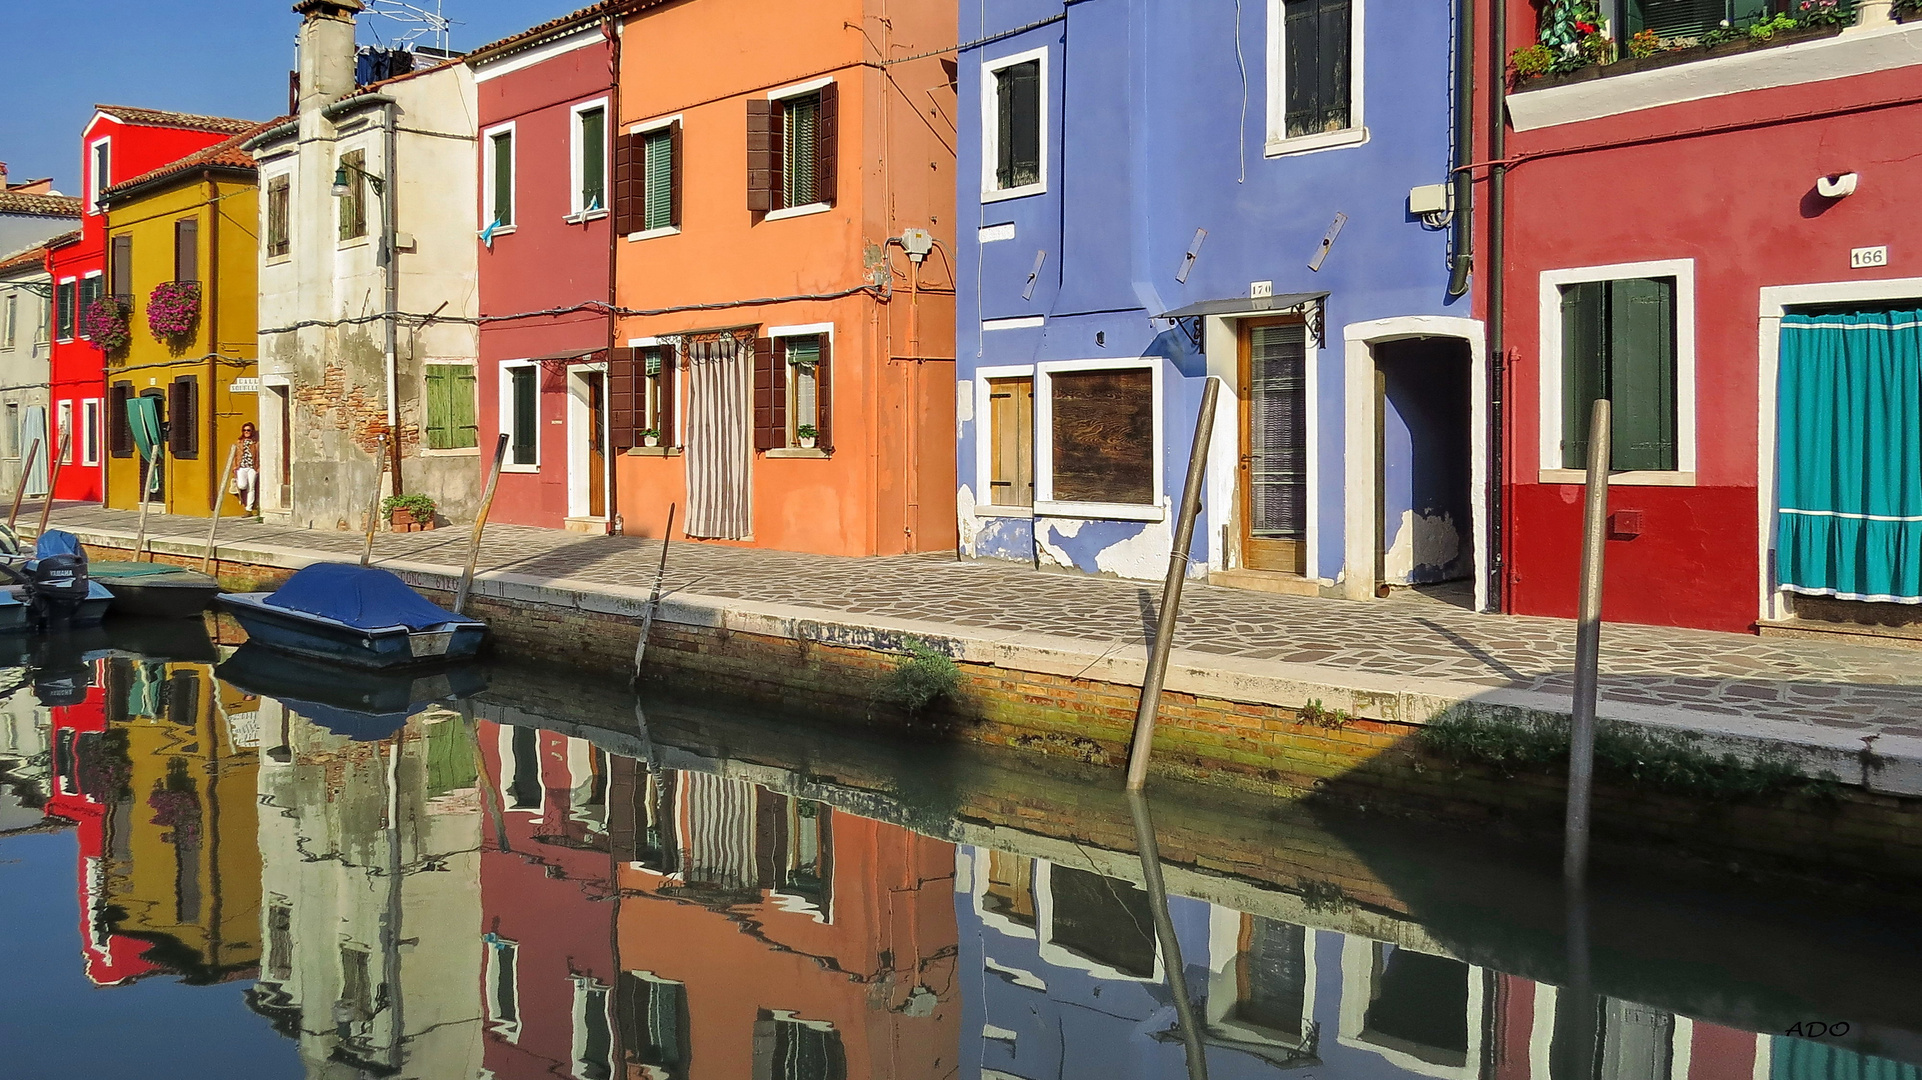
(1861,51)
(577,154)
(1357,991)
(504,398)
(1550,363)
(1021,322)
(1361,479)
(991,126)
(799,88)
(539,54)
(1775,302)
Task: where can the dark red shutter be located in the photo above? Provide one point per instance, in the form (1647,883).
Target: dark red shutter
(827,142)
(183,417)
(824,397)
(670,369)
(674,185)
(770,396)
(119,430)
(625,387)
(630,179)
(763,154)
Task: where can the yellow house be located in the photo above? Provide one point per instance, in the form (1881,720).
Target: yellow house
(181,244)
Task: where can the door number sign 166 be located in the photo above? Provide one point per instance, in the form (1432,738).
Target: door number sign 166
(1864,258)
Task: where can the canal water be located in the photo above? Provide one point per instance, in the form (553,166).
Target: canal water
(216,864)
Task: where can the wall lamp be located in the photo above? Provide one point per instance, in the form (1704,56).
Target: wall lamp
(341,189)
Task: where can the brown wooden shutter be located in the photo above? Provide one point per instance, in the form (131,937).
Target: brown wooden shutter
(770,396)
(187,250)
(121,268)
(183,417)
(824,397)
(119,430)
(670,373)
(827,142)
(630,185)
(763,154)
(674,182)
(625,389)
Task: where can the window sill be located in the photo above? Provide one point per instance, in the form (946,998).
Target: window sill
(1633,478)
(798,211)
(653,234)
(354,242)
(581,217)
(1114,511)
(453,451)
(653,451)
(797,452)
(520,468)
(504,230)
(1004,511)
(1022,192)
(278,260)
(1308,144)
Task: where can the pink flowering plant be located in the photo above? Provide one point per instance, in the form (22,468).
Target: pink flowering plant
(1825,13)
(172,309)
(104,322)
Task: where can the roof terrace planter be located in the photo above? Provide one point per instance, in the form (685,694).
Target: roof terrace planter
(1689,54)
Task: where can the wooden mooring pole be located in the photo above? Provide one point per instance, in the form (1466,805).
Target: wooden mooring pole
(1171,590)
(654,599)
(480,526)
(53,480)
(373,505)
(220,496)
(20,489)
(1588,646)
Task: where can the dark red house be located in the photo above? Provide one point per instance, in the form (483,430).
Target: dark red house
(1691,210)
(119,143)
(546,110)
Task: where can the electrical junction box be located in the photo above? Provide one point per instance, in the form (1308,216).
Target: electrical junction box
(1428,199)
(917,243)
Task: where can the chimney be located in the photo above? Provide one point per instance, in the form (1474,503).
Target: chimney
(326,50)
(3,176)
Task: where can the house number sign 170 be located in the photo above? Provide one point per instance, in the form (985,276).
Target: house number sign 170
(1863,258)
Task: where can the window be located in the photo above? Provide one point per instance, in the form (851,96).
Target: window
(647,196)
(9,320)
(1418,1005)
(1264,991)
(280,942)
(42,305)
(791,389)
(1010,888)
(279,239)
(520,414)
(183,417)
(63,431)
(450,407)
(1101,436)
(353,205)
(657,153)
(1618,342)
(90,431)
(65,301)
(793,145)
(12,430)
(593,1033)
(640,395)
(1014,125)
(1011,442)
(653,1018)
(500,178)
(789,1048)
(1314,59)
(119,428)
(187,249)
(1690,18)
(98,172)
(502,979)
(120,266)
(524,786)
(1101,920)
(590,158)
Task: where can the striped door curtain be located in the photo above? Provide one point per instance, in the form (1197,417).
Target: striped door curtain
(1849,456)
(720,431)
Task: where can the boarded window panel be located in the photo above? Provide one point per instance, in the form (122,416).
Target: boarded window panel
(525,402)
(1011,452)
(1104,426)
(1278,432)
(1018,90)
(594,159)
(187,250)
(1641,372)
(658,154)
(1584,359)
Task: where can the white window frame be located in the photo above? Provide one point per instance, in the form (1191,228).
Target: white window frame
(673,404)
(266,212)
(1356,133)
(10,320)
(978,868)
(826,331)
(63,429)
(1045,504)
(1224,961)
(577,162)
(784,93)
(505,402)
(984,440)
(1550,449)
(1357,992)
(14,427)
(97,183)
(513,178)
(991,126)
(648,127)
(54,317)
(1064,957)
(493,945)
(90,411)
(583,986)
(78,289)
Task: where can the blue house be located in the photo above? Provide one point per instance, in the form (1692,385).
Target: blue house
(1258,191)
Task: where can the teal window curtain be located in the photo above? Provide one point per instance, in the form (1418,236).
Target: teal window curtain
(1849,456)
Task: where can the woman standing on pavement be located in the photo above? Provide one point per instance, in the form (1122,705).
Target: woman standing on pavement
(247,467)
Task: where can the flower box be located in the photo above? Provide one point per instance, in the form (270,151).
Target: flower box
(1628,65)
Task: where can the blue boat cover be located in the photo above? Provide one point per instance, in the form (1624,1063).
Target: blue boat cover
(352,723)
(56,542)
(360,596)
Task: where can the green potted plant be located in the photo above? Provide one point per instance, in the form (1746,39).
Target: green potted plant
(408,513)
(806,434)
(651,437)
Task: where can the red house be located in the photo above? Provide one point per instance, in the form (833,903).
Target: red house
(545,112)
(119,143)
(1704,216)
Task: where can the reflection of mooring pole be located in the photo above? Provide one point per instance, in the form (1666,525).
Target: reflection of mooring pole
(1165,932)
(1171,591)
(1588,645)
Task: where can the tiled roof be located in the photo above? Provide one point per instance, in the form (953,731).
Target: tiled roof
(221,125)
(36,255)
(226,154)
(13,202)
(531,35)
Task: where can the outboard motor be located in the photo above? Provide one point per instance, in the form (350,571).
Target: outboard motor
(56,579)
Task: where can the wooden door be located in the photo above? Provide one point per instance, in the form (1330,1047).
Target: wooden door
(596,444)
(1273,473)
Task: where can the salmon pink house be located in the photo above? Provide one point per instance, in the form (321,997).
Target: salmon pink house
(119,143)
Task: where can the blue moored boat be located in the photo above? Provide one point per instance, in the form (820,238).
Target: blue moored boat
(356,615)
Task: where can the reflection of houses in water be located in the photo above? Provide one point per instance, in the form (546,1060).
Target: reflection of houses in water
(26,756)
(369,905)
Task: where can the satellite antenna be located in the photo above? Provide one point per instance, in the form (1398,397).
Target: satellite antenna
(423,25)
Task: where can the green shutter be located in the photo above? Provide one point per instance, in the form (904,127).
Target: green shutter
(504,178)
(1641,377)
(438,422)
(800,114)
(1584,342)
(450,407)
(526,415)
(658,154)
(463,394)
(594,160)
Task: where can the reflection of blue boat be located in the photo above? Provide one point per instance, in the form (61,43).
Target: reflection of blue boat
(363,705)
(355,615)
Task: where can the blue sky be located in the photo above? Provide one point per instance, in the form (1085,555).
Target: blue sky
(222,57)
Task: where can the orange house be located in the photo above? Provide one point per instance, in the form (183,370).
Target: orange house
(784,220)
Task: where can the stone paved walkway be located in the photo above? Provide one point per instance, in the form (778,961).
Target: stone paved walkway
(1844,686)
